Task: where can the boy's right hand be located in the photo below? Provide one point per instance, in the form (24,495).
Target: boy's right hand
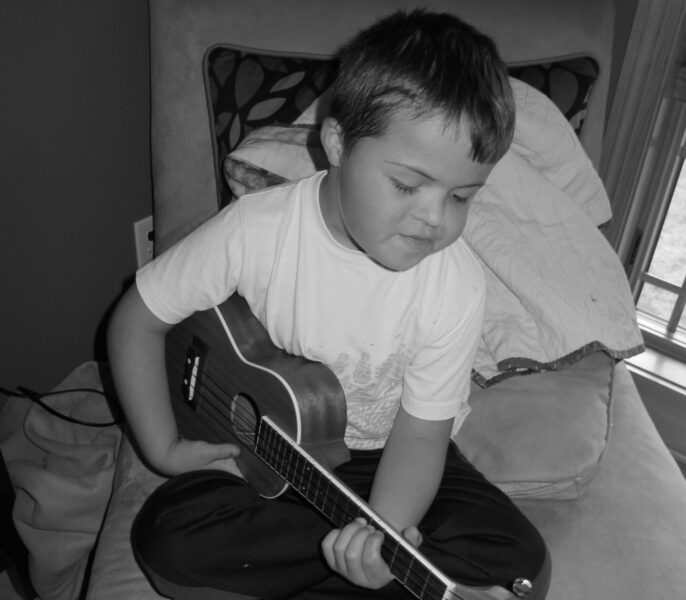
(136,349)
(188,455)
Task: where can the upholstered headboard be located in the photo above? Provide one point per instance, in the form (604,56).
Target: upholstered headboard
(182,32)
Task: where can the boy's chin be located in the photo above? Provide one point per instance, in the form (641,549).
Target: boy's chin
(394,255)
(395,264)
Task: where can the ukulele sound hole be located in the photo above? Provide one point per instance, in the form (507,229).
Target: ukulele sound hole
(244,418)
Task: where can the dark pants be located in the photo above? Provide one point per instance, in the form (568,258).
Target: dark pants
(207,530)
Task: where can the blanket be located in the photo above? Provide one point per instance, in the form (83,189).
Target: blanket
(556,290)
(62,474)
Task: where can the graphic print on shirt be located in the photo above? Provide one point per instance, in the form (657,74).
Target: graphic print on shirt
(372,395)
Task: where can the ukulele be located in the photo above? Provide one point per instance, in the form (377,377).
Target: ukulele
(229,383)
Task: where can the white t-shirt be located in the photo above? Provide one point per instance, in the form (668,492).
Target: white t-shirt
(390,337)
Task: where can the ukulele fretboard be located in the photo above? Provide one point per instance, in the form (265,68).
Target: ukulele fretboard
(341,505)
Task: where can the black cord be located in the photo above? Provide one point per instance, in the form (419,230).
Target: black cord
(23,392)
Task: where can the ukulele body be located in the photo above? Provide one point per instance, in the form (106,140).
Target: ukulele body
(225,374)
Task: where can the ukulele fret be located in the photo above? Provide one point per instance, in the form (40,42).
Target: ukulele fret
(413,577)
(389,552)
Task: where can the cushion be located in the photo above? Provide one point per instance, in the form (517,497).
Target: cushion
(62,473)
(568,83)
(542,435)
(115,573)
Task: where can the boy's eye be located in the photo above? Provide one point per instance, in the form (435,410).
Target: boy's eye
(460,199)
(402,188)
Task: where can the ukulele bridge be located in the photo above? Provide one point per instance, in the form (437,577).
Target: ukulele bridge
(194,367)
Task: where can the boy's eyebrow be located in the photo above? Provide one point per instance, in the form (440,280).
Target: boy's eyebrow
(430,177)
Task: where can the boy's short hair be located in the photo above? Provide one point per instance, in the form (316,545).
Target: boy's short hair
(427,63)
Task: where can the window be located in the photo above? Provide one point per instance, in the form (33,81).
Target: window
(661,281)
(656,265)
(645,173)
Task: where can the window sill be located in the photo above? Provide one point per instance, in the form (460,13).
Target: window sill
(661,368)
(661,382)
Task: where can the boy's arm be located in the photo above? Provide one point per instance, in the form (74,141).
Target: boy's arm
(405,484)
(410,469)
(136,351)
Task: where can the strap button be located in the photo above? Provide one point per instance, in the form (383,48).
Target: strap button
(522,587)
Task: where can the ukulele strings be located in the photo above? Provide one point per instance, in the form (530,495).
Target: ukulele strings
(216,399)
(219,402)
(429,585)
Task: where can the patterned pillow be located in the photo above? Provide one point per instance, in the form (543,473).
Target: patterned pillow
(568,83)
(247,91)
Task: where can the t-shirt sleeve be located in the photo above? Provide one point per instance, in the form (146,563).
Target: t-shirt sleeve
(436,383)
(198,272)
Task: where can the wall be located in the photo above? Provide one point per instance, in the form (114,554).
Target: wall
(74,175)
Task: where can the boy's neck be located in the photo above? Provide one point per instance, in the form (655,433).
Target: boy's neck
(330,209)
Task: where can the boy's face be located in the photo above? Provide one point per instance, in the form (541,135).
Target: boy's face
(401,196)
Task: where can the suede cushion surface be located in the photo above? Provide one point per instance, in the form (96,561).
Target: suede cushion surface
(542,435)
(625,537)
(604,544)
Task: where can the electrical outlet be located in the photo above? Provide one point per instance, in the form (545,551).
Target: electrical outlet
(144,235)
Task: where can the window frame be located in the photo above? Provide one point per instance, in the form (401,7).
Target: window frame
(648,122)
(669,159)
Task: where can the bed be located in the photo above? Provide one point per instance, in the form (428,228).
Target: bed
(556,419)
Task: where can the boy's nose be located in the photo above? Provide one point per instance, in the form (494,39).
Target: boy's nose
(432,210)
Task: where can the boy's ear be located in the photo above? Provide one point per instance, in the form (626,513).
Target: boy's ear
(332,140)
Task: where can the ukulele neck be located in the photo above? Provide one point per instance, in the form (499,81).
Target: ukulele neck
(341,505)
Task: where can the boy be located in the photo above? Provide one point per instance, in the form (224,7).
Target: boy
(360,268)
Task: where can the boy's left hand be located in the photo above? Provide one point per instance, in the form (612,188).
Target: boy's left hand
(355,553)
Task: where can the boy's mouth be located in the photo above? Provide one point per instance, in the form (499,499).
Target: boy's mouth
(419,240)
